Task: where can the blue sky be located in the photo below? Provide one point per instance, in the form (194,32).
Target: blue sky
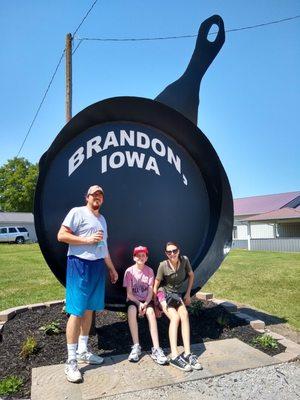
(249,97)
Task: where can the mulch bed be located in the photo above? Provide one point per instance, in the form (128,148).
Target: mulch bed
(112,337)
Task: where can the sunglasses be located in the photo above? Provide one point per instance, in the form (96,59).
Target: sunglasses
(169,252)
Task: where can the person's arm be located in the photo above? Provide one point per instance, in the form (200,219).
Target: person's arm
(156,286)
(111,268)
(66,235)
(187,297)
(132,297)
(155,289)
(158,279)
(143,305)
(149,297)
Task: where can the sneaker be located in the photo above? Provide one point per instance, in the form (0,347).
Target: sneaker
(89,358)
(135,353)
(179,362)
(72,371)
(158,356)
(192,360)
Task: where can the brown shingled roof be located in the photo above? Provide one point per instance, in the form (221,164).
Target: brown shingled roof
(262,204)
(283,213)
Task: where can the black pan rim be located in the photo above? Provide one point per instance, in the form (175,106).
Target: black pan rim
(145,111)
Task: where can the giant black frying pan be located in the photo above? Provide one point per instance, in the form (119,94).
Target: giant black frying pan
(161,176)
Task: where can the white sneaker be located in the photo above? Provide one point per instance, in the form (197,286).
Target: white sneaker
(180,363)
(89,358)
(192,360)
(158,356)
(72,371)
(135,353)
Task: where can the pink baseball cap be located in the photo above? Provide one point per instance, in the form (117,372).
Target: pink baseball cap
(94,188)
(140,249)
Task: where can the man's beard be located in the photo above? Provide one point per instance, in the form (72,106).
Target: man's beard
(95,206)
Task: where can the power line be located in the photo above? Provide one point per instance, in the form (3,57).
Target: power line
(42,101)
(80,41)
(183,36)
(264,24)
(128,40)
(84,18)
(52,78)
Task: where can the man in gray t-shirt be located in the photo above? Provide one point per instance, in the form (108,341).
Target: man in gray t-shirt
(85,231)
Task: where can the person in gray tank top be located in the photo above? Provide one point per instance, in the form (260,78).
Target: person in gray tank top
(170,277)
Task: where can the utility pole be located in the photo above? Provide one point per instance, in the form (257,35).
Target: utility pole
(69,116)
(68,77)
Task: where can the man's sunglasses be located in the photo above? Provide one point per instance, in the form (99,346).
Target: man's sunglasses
(169,252)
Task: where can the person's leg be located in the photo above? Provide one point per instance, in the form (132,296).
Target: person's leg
(74,307)
(152,326)
(90,297)
(136,350)
(82,354)
(132,322)
(174,318)
(176,359)
(75,302)
(157,353)
(185,328)
(86,322)
(72,334)
(85,327)
(189,357)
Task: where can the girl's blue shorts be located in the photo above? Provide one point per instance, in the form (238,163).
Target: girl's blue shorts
(85,285)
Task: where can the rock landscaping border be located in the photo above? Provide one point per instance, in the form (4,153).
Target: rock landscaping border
(9,313)
(291,353)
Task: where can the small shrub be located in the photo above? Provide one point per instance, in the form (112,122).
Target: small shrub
(265,341)
(122,315)
(195,308)
(10,385)
(223,320)
(51,329)
(29,347)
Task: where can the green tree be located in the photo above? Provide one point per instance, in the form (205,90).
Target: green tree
(17,184)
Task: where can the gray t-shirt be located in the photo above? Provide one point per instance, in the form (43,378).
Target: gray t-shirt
(84,222)
(172,280)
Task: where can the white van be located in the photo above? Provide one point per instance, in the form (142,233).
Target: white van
(16,234)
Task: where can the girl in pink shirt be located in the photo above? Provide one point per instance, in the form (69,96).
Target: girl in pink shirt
(138,280)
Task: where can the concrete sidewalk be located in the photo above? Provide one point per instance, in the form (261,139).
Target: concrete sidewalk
(117,375)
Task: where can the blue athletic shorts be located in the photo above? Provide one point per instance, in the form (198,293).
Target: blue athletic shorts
(85,285)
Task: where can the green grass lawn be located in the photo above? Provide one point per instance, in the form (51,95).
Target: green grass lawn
(268,281)
(25,277)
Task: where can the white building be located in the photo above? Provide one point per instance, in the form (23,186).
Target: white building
(275,216)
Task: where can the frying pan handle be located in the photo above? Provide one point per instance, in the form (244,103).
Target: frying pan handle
(205,50)
(183,94)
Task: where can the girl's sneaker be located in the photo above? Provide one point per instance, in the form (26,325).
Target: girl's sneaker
(135,353)
(158,356)
(192,360)
(180,363)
